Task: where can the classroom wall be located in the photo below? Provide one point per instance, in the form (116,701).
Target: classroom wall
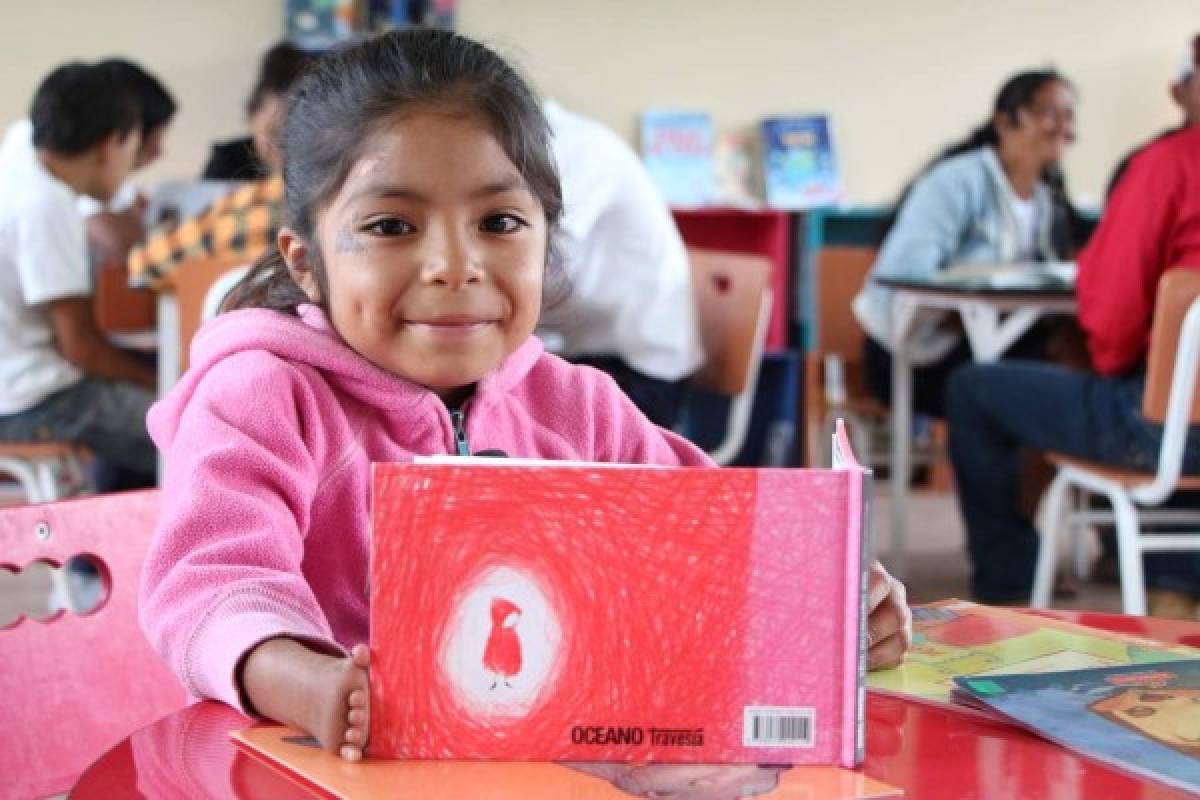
(900,79)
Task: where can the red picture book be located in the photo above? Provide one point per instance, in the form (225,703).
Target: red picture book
(585,612)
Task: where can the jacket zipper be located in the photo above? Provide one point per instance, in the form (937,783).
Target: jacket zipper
(459,419)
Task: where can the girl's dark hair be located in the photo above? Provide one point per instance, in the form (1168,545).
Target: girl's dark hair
(1017,93)
(336,106)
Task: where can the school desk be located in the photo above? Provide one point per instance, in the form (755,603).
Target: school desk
(933,753)
(993,319)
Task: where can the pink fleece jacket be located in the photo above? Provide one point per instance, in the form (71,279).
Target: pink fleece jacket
(268,441)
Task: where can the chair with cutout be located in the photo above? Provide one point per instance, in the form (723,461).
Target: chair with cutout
(73,685)
(733,306)
(1169,399)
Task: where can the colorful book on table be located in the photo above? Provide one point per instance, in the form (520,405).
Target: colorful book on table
(800,170)
(600,613)
(297,759)
(954,638)
(1141,718)
(677,150)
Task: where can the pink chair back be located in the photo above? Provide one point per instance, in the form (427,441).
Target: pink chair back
(73,686)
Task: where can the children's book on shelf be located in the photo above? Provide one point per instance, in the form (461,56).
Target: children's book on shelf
(298,758)
(800,170)
(531,610)
(318,25)
(955,638)
(733,168)
(677,150)
(1142,718)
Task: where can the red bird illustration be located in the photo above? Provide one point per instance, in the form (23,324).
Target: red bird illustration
(502,656)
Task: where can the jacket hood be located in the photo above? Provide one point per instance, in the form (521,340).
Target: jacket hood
(310,340)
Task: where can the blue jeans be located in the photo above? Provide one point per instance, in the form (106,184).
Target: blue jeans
(107,417)
(995,410)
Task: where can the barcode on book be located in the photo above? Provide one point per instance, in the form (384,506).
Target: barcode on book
(776,726)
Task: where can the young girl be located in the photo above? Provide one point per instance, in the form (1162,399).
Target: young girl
(395,320)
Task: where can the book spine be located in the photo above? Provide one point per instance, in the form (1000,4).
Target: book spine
(855,631)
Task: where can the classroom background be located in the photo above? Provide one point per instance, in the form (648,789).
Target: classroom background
(896,79)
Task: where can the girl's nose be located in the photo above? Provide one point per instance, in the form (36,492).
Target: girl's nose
(449,259)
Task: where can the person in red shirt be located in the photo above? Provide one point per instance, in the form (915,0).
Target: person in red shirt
(1152,223)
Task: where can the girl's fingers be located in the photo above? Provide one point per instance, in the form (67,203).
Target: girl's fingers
(888,653)
(361,655)
(357,717)
(879,585)
(351,752)
(358,699)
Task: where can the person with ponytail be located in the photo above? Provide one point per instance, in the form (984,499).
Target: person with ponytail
(998,196)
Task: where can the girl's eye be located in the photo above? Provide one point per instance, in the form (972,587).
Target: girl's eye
(391,226)
(501,223)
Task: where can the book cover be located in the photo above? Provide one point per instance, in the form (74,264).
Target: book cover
(677,150)
(955,638)
(317,25)
(799,168)
(1141,718)
(299,759)
(599,613)
(735,182)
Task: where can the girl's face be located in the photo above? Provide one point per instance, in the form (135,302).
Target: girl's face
(1046,127)
(434,249)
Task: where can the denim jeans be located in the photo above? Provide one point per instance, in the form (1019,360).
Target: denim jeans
(995,410)
(107,417)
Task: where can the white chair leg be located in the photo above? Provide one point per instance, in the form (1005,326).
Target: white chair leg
(1129,554)
(48,478)
(27,476)
(1051,515)
(1081,534)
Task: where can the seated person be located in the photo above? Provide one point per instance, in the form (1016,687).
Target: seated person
(628,307)
(245,222)
(997,197)
(114,228)
(249,158)
(1152,223)
(60,379)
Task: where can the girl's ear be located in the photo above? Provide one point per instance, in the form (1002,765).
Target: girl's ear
(296,255)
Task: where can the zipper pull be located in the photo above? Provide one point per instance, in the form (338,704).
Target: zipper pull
(459,419)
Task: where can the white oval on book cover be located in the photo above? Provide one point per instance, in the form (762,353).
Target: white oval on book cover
(502,646)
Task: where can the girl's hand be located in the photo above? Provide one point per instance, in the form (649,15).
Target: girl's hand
(323,695)
(889,622)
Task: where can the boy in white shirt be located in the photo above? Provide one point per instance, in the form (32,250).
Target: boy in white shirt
(115,227)
(60,379)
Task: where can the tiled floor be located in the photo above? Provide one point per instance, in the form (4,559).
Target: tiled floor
(937,560)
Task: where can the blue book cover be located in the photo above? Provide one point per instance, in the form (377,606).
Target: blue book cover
(799,168)
(317,25)
(1142,718)
(677,149)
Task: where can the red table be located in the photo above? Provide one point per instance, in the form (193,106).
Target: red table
(932,753)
